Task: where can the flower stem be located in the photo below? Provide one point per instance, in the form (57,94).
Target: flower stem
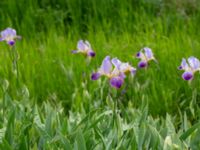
(14,57)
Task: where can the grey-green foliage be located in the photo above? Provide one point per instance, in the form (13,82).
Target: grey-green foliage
(26,125)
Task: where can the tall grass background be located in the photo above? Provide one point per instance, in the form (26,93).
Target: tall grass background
(55,85)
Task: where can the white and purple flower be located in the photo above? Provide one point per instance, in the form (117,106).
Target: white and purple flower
(190,66)
(145,55)
(84,47)
(124,68)
(9,35)
(114,70)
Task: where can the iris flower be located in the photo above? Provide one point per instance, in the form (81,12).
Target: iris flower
(114,70)
(190,66)
(145,55)
(84,47)
(124,68)
(9,35)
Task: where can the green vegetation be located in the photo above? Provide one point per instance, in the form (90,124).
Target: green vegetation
(55,105)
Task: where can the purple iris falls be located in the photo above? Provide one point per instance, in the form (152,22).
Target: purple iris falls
(116,82)
(11,43)
(180,68)
(190,66)
(91,54)
(142,64)
(95,76)
(138,55)
(114,70)
(187,76)
(85,48)
(9,35)
(145,55)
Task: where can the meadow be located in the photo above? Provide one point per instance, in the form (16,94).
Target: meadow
(53,104)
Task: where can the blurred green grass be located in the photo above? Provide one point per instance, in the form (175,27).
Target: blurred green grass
(50,30)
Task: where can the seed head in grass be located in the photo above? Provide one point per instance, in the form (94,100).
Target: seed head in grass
(114,70)
(84,47)
(145,55)
(190,66)
(9,35)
